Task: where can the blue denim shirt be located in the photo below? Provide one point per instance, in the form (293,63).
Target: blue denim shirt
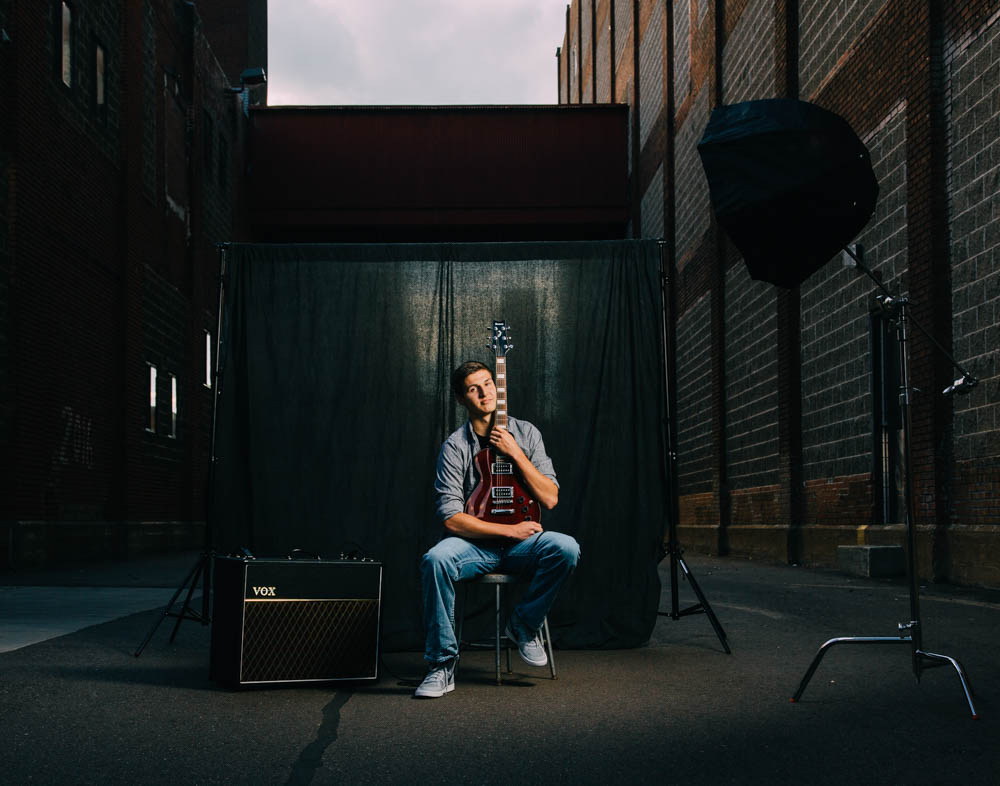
(456,476)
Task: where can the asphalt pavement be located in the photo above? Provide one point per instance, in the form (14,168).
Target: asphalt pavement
(77,707)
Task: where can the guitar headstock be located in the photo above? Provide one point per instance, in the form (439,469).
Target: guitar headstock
(500,341)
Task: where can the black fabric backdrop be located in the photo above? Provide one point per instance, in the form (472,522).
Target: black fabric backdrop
(334,401)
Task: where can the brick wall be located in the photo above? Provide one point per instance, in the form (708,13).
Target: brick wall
(587,51)
(573,51)
(108,235)
(652,207)
(682,49)
(748,60)
(651,71)
(775,409)
(691,187)
(837,409)
(973,109)
(603,51)
(623,35)
(694,412)
(751,377)
(828,30)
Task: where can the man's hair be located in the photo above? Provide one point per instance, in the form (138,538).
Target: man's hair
(459,374)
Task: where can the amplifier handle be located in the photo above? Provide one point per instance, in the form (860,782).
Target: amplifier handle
(303,554)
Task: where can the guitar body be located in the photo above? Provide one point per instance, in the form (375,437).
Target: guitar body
(499,497)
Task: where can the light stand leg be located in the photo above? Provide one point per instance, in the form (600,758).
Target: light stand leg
(944,660)
(911,632)
(186,611)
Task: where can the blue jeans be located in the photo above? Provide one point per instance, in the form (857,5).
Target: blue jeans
(550,555)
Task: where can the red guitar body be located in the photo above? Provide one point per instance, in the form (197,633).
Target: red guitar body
(499,497)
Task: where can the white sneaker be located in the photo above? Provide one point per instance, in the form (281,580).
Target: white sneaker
(439,681)
(529,647)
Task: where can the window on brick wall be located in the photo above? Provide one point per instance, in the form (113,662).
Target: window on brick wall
(99,96)
(887,429)
(173,407)
(65,27)
(208,360)
(151,423)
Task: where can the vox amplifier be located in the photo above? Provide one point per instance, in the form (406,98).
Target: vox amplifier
(295,620)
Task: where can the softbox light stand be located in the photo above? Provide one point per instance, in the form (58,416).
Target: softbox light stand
(910,632)
(673,548)
(202,569)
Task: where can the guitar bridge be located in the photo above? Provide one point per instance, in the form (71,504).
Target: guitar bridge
(502,512)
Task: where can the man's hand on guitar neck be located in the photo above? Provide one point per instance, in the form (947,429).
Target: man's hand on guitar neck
(543,489)
(503,440)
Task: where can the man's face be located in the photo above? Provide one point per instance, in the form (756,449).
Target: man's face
(480,396)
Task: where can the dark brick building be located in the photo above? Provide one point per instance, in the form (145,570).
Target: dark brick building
(786,399)
(120,164)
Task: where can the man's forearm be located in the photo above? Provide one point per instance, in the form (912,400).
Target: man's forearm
(541,487)
(466,526)
(470,527)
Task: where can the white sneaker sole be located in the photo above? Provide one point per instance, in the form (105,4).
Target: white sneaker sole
(433,694)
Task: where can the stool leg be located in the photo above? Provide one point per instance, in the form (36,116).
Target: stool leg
(497,639)
(548,646)
(459,619)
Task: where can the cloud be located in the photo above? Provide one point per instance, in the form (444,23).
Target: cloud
(414,51)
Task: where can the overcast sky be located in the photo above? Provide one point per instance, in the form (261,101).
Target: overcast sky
(413,51)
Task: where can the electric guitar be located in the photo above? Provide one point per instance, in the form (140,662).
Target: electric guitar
(499,497)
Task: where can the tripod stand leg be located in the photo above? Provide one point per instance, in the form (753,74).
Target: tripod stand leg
(186,611)
(942,660)
(704,606)
(166,610)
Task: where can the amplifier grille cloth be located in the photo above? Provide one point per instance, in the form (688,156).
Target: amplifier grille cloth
(309,639)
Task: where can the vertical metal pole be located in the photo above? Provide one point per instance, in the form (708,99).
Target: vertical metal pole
(213,459)
(911,560)
(673,513)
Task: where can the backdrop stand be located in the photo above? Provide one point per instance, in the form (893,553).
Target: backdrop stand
(202,569)
(673,548)
(911,632)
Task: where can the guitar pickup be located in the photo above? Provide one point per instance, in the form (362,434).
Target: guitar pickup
(503,468)
(503,493)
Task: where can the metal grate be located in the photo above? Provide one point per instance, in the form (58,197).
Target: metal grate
(309,640)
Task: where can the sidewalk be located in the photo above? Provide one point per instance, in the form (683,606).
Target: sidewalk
(39,605)
(79,708)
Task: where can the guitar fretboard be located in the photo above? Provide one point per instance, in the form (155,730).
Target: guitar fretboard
(501,372)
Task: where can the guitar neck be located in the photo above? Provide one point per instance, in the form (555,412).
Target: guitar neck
(501,373)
